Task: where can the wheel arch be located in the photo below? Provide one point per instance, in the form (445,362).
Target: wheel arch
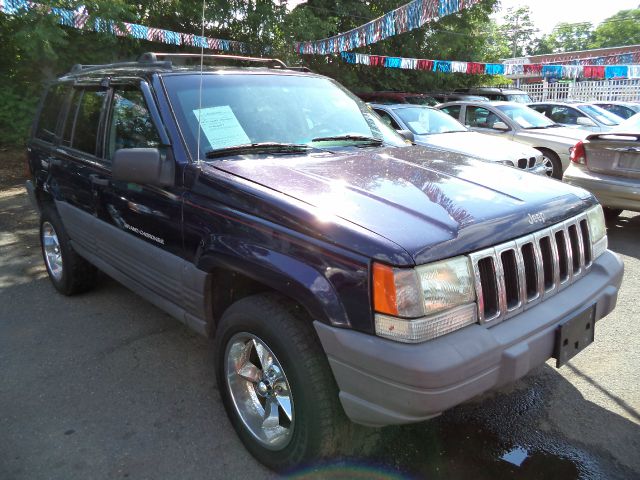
(232,278)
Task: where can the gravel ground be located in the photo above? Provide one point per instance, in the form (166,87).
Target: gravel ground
(104,385)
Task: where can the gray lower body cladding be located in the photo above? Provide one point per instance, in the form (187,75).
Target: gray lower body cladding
(383,382)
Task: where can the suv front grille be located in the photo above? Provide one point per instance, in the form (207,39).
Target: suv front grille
(526,163)
(516,275)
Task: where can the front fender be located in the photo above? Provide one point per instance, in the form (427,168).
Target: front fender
(312,287)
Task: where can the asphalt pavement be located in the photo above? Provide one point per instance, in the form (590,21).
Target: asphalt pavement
(106,386)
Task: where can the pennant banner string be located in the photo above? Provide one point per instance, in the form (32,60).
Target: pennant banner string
(79,19)
(403,19)
(477,68)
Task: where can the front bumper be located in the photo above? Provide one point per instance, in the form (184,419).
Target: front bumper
(611,191)
(383,382)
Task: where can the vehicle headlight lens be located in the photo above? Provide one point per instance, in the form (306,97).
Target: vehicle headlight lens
(417,304)
(508,163)
(598,230)
(446,284)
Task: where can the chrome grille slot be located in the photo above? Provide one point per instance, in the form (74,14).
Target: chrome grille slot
(586,242)
(563,256)
(488,280)
(516,275)
(532,162)
(511,279)
(548,263)
(530,271)
(522,163)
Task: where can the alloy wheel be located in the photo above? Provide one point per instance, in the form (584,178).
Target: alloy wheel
(52,251)
(259,390)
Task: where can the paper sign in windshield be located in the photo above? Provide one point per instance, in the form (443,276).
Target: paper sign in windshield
(221,127)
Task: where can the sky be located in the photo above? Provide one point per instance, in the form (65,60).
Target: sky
(545,14)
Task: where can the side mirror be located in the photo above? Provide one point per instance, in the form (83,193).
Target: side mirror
(407,134)
(585,122)
(500,126)
(143,165)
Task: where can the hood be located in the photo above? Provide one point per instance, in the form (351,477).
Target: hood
(478,145)
(566,135)
(431,203)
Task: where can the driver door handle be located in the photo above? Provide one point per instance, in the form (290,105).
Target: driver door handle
(98,180)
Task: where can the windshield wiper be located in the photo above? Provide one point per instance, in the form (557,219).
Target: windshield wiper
(262,147)
(350,137)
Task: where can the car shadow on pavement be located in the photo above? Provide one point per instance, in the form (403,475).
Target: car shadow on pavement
(624,233)
(517,433)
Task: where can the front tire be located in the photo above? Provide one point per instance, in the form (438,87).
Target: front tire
(68,271)
(276,383)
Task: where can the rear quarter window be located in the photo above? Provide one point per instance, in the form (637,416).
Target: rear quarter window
(50,112)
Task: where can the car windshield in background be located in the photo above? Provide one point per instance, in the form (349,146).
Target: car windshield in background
(425,121)
(601,115)
(242,110)
(417,100)
(518,98)
(525,117)
(631,124)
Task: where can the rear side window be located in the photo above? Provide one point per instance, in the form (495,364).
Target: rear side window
(51,108)
(453,110)
(86,120)
(131,125)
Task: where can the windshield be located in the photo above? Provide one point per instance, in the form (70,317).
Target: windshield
(631,124)
(244,109)
(600,115)
(525,117)
(518,97)
(424,121)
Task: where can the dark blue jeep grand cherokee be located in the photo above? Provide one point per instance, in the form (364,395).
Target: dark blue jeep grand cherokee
(341,273)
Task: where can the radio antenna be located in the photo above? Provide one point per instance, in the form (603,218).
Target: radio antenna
(200,88)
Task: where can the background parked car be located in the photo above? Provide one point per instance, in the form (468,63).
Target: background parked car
(443,97)
(398,97)
(499,94)
(608,165)
(622,109)
(581,115)
(517,122)
(435,128)
(631,124)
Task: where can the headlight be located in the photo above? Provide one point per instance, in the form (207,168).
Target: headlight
(597,230)
(434,299)
(508,163)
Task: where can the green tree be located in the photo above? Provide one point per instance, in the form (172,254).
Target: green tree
(623,28)
(565,37)
(519,30)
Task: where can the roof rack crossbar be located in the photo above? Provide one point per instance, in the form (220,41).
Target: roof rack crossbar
(154,57)
(80,68)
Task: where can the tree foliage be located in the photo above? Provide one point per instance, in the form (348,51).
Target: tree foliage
(623,28)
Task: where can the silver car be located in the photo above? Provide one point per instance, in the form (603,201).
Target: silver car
(608,165)
(622,109)
(434,128)
(517,122)
(578,115)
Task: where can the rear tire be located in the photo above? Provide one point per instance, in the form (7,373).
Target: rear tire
(68,271)
(317,424)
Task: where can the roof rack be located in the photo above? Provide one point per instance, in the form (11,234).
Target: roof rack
(153,57)
(167,60)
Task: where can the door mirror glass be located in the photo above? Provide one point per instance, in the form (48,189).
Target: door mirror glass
(143,165)
(500,126)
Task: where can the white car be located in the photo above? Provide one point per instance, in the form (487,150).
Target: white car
(578,115)
(434,128)
(519,123)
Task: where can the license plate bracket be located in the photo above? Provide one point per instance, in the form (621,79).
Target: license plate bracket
(574,335)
